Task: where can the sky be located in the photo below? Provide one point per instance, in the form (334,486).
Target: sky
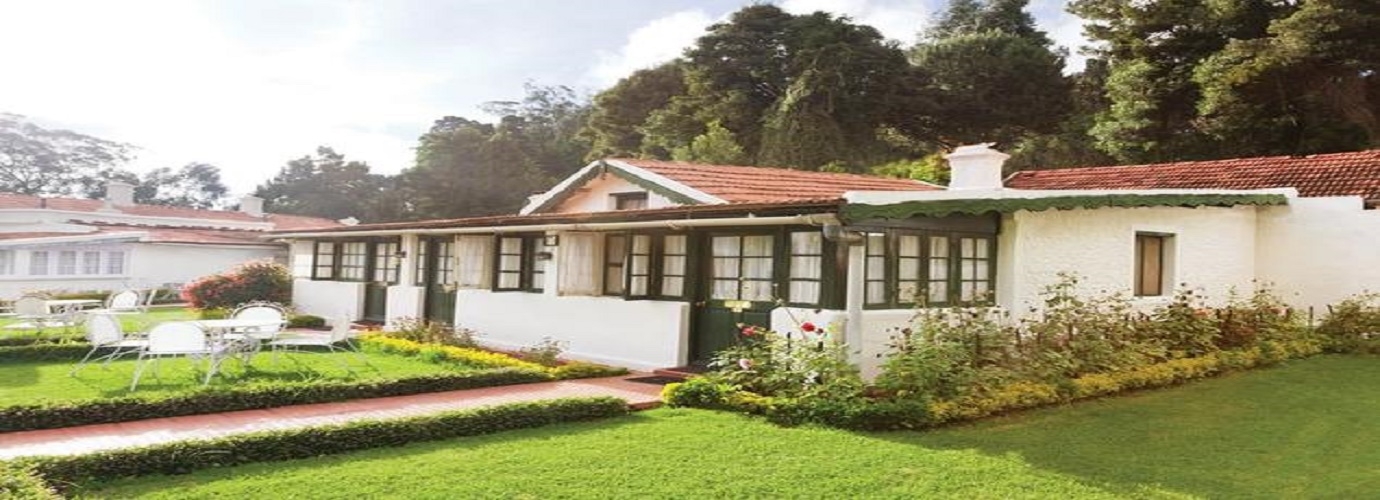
(247,85)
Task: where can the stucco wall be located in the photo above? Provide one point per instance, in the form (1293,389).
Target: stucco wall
(148,265)
(1317,251)
(635,334)
(404,301)
(328,299)
(594,196)
(1213,249)
(878,327)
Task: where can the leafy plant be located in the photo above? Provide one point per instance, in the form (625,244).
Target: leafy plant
(545,353)
(811,363)
(431,332)
(305,321)
(1353,325)
(253,281)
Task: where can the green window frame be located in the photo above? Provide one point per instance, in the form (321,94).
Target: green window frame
(386,261)
(805,278)
(377,260)
(520,263)
(652,265)
(926,268)
(1152,262)
(323,260)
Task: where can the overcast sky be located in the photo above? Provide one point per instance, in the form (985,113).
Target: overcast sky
(248,84)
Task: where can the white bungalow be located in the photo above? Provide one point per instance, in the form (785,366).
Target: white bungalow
(101,245)
(652,264)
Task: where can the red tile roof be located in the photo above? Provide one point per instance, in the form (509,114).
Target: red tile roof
(18,201)
(157,234)
(736,184)
(1337,174)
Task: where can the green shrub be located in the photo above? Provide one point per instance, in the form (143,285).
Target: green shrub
(305,321)
(545,353)
(21,483)
(1353,325)
(82,295)
(44,352)
(253,281)
(186,456)
(581,369)
(431,332)
(698,392)
(788,365)
(223,399)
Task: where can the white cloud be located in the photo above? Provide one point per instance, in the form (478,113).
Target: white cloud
(163,76)
(898,20)
(660,40)
(1064,28)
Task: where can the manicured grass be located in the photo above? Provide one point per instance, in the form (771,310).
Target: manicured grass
(1303,430)
(48,381)
(130,323)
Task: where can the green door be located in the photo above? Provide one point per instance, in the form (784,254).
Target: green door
(738,290)
(383,272)
(437,276)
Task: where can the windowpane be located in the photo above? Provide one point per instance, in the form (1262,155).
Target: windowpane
(673,263)
(640,265)
(386,262)
(419,273)
(325,260)
(67,262)
(91,263)
(38,263)
(7,262)
(539,258)
(615,253)
(115,263)
(1150,258)
(875,272)
(353,257)
(510,260)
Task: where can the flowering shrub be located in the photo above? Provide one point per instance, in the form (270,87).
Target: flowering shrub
(813,363)
(252,281)
(431,332)
(436,353)
(1353,325)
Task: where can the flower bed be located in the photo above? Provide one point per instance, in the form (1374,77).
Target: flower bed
(964,363)
(480,358)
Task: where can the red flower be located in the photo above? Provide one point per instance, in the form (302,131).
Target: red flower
(807,327)
(748,331)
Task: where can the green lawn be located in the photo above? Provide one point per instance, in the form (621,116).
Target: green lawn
(34,382)
(130,322)
(1304,430)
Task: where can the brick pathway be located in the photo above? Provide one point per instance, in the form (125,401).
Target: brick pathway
(76,440)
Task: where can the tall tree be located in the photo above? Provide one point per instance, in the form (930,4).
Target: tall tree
(994,75)
(195,185)
(546,124)
(324,185)
(717,146)
(614,128)
(39,161)
(467,168)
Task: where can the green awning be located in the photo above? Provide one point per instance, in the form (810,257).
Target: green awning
(940,208)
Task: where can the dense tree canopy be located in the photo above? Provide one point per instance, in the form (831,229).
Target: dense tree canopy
(40,161)
(326,185)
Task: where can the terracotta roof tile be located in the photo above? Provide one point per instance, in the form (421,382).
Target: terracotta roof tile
(1337,174)
(736,184)
(280,221)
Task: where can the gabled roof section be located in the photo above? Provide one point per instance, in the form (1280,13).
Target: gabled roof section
(736,184)
(1336,174)
(11,201)
(694,183)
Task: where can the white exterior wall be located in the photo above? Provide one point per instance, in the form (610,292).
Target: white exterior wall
(1213,249)
(594,196)
(404,301)
(878,327)
(1318,251)
(640,334)
(328,299)
(147,265)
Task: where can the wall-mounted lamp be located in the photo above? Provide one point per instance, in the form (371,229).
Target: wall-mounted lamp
(544,255)
(400,254)
(551,240)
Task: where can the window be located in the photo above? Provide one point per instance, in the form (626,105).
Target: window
(67,263)
(640,265)
(419,276)
(325,261)
(674,253)
(114,262)
(386,262)
(521,263)
(629,201)
(934,268)
(615,254)
(1152,263)
(474,266)
(6,262)
(91,263)
(807,266)
(354,257)
(38,263)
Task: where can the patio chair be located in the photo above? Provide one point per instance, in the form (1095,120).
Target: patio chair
(103,331)
(33,314)
(176,339)
(267,311)
(122,302)
(339,335)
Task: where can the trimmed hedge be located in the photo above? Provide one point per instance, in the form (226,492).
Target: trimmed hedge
(21,483)
(907,413)
(186,456)
(476,358)
(218,399)
(581,369)
(44,352)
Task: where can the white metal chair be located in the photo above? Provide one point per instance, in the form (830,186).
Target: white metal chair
(33,314)
(176,339)
(124,302)
(266,311)
(103,331)
(340,335)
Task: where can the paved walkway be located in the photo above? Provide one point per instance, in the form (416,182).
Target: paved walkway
(88,438)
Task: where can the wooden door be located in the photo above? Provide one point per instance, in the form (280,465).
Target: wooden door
(738,289)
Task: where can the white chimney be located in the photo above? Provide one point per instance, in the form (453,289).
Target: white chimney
(252,205)
(975,166)
(119,194)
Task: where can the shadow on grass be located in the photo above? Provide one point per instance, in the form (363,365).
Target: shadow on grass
(1300,430)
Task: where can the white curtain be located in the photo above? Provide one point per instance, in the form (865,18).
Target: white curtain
(473,261)
(578,264)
